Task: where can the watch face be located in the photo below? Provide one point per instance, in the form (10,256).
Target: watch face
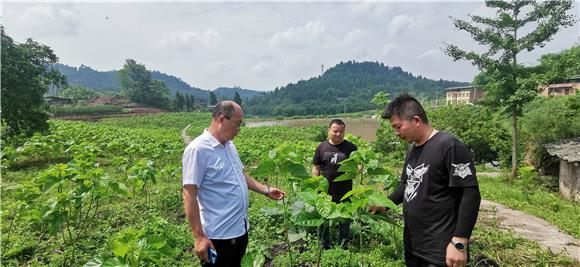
(460,246)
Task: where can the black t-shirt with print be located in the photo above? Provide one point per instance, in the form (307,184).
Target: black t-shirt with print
(328,156)
(431,174)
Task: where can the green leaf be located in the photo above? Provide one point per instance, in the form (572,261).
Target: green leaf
(378,171)
(324,208)
(120,249)
(345,177)
(298,170)
(265,168)
(293,236)
(348,166)
(378,199)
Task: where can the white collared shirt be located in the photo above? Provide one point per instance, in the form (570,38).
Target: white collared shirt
(222,193)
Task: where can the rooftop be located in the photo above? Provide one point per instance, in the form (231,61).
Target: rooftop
(568,149)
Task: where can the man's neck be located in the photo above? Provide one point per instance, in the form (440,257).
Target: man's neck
(213,130)
(333,143)
(425,135)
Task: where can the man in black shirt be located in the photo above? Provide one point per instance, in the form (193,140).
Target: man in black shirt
(438,189)
(326,160)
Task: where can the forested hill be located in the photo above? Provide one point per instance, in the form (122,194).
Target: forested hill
(348,86)
(229,92)
(108,81)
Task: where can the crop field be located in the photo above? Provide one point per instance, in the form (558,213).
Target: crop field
(108,193)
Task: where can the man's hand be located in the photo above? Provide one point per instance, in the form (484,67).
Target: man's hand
(201,245)
(377,209)
(453,256)
(276,194)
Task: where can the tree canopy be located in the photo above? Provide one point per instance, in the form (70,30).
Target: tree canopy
(347,87)
(26,77)
(508,84)
(138,85)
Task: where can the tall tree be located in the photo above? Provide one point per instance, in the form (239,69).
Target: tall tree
(237,98)
(138,85)
(78,93)
(502,35)
(179,101)
(191,102)
(25,78)
(212,99)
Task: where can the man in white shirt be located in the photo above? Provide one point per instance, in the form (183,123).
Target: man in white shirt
(215,189)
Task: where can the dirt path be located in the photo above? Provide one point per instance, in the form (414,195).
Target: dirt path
(532,228)
(186,139)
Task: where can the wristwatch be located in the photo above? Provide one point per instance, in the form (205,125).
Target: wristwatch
(267,191)
(458,245)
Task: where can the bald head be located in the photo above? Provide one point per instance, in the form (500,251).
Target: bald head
(225,108)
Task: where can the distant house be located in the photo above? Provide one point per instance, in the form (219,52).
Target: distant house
(463,94)
(570,87)
(58,100)
(568,151)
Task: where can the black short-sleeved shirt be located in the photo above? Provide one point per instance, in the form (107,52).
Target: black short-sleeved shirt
(328,156)
(430,203)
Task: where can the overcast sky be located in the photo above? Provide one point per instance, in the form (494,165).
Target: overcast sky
(255,45)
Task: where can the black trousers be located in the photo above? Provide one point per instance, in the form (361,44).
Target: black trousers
(413,261)
(229,251)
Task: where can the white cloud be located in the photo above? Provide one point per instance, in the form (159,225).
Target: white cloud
(400,23)
(312,33)
(188,40)
(389,48)
(261,67)
(353,36)
(47,19)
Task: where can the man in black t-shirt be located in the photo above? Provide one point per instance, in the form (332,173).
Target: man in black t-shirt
(326,161)
(438,189)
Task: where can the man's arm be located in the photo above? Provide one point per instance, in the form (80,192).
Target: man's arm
(315,170)
(466,218)
(272,192)
(202,243)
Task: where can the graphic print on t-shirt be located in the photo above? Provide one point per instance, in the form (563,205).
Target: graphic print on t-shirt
(462,170)
(414,180)
(334,158)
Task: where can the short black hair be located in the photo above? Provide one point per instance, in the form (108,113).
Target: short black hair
(405,107)
(225,108)
(336,121)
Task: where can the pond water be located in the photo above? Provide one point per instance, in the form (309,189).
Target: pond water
(363,127)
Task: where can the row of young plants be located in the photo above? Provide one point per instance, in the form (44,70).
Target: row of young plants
(108,194)
(91,201)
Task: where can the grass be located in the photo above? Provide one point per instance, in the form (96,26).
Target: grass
(85,110)
(488,242)
(534,195)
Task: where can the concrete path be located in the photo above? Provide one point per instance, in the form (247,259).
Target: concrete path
(533,228)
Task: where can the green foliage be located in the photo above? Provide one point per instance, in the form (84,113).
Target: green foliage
(79,110)
(237,98)
(212,99)
(78,93)
(510,85)
(25,79)
(347,87)
(138,85)
(548,119)
(479,128)
(131,229)
(530,194)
